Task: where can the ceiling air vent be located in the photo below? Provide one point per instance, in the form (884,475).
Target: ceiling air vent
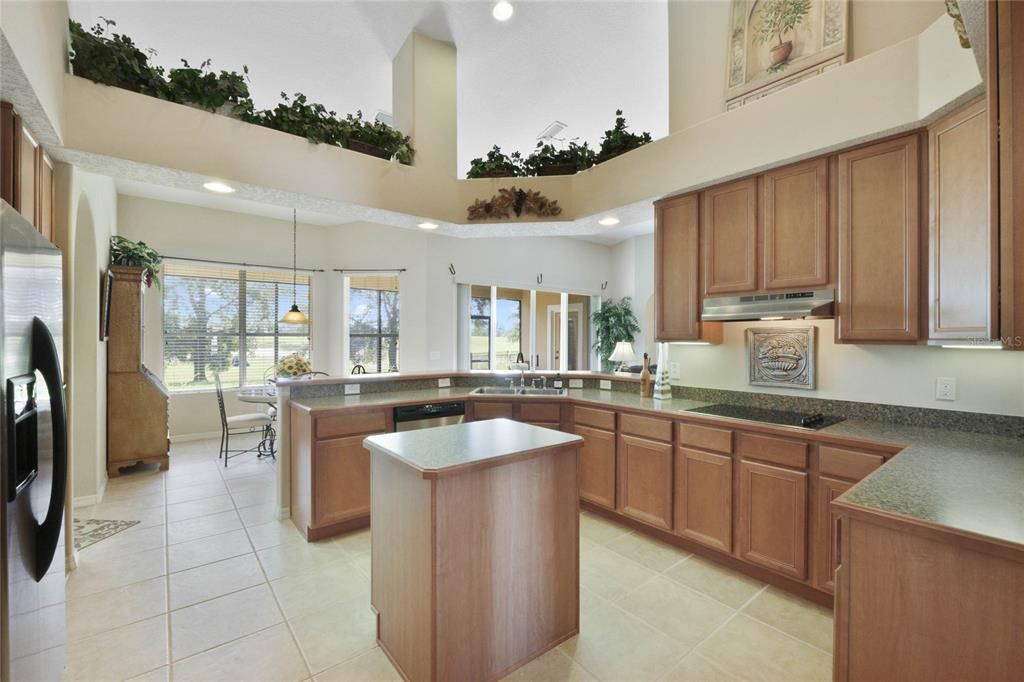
(551,131)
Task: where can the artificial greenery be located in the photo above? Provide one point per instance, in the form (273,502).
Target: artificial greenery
(577,156)
(779,17)
(613,322)
(497,164)
(136,254)
(110,58)
(619,140)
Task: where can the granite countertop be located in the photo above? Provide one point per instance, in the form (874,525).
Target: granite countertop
(452,449)
(967,482)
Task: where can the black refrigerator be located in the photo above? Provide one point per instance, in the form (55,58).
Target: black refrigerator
(33,467)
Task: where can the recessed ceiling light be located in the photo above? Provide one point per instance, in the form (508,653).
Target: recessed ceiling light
(427,226)
(608,221)
(218,187)
(503,10)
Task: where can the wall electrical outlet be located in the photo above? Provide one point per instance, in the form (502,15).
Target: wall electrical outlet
(606,385)
(945,388)
(444,383)
(575,383)
(673,370)
(351,389)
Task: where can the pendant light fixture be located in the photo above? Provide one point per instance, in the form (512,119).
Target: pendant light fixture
(294,315)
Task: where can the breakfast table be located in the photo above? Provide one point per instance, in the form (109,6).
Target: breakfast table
(266,394)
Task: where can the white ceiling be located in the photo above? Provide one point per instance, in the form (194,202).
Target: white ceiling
(567,60)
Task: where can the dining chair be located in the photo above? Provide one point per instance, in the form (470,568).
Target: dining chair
(253,422)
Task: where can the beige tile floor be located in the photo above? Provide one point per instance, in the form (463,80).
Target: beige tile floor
(209,586)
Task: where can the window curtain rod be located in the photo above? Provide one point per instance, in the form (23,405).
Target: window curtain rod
(369,270)
(244,265)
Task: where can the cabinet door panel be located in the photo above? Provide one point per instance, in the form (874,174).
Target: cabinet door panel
(773,518)
(677,269)
(341,480)
(729,232)
(26,183)
(879,242)
(826,528)
(703,499)
(492,410)
(963,273)
(796,226)
(597,466)
(645,480)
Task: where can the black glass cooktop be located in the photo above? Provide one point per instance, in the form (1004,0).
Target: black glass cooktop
(803,420)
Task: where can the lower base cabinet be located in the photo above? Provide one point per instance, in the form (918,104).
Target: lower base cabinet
(597,466)
(342,467)
(826,532)
(773,518)
(645,480)
(703,498)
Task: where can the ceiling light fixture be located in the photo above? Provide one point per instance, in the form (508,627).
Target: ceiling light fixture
(427,226)
(608,221)
(963,346)
(218,187)
(503,10)
(294,315)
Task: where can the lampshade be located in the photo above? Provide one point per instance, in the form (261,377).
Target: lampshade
(623,352)
(294,316)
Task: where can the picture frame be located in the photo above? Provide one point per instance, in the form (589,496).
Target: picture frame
(106,288)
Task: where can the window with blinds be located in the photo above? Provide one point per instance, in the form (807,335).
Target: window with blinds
(373,307)
(225,320)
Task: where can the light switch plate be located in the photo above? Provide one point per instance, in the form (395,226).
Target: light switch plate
(575,383)
(606,385)
(351,389)
(673,370)
(945,388)
(444,383)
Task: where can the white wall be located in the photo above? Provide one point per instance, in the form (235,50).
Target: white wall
(428,291)
(37,34)
(987,381)
(86,217)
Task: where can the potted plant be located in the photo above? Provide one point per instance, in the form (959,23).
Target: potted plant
(203,88)
(497,164)
(298,116)
(138,255)
(547,159)
(779,18)
(112,59)
(377,139)
(619,140)
(613,322)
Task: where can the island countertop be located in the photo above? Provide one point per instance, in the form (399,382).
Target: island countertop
(447,450)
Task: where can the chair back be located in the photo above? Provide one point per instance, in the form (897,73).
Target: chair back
(220,400)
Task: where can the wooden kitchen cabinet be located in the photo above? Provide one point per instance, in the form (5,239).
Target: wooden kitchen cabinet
(728,215)
(773,518)
(795,226)
(485,409)
(26,172)
(342,489)
(879,221)
(703,497)
(677,268)
(645,480)
(597,466)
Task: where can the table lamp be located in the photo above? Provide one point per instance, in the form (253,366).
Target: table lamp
(623,354)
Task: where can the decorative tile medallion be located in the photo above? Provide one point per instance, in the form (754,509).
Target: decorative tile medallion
(781,356)
(90,531)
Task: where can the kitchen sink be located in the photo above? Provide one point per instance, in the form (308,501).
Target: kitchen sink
(502,390)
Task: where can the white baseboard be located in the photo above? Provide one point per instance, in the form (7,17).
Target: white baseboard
(187,437)
(284,513)
(90,500)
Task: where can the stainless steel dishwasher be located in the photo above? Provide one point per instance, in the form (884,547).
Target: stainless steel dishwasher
(427,416)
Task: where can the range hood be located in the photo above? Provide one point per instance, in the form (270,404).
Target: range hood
(794,305)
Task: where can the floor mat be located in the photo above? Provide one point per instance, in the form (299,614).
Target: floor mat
(90,531)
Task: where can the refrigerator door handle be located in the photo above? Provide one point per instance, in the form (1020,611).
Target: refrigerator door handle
(47,362)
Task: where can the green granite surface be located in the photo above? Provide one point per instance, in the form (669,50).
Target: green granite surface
(446,448)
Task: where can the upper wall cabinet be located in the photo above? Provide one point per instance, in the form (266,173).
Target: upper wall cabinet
(795,226)
(26,172)
(729,228)
(963,255)
(879,214)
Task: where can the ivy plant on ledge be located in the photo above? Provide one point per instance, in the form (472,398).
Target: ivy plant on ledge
(110,58)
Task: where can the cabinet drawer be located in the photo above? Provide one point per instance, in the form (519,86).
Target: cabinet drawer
(599,419)
(646,427)
(492,410)
(790,453)
(351,424)
(705,437)
(540,412)
(849,464)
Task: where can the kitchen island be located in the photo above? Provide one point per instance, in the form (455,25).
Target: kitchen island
(475,556)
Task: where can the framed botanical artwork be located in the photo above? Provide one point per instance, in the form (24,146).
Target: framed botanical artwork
(781,356)
(776,43)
